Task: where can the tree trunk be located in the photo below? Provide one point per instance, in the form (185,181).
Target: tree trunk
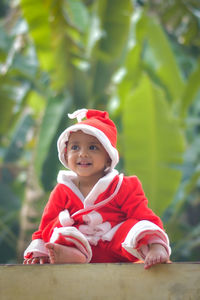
(30,212)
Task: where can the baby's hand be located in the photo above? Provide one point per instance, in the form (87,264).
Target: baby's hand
(36,260)
(157,254)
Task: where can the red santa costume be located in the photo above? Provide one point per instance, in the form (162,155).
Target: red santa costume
(113,222)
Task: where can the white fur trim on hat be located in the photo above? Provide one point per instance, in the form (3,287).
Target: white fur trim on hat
(112,151)
(79,114)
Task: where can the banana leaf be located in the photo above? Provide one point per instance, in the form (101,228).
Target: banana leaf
(46,152)
(153,143)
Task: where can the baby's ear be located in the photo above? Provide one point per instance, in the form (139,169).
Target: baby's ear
(108,162)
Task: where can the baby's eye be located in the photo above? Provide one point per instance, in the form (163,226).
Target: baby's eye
(93,147)
(74,147)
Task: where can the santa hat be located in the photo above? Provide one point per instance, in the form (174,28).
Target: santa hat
(98,124)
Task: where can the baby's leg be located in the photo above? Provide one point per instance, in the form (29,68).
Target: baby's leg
(157,254)
(59,254)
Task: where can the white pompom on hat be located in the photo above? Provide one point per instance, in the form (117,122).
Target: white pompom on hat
(98,124)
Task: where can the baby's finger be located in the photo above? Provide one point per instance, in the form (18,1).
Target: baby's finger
(156,259)
(29,261)
(163,259)
(44,260)
(147,263)
(35,260)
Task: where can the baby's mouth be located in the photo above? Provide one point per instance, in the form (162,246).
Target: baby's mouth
(84,163)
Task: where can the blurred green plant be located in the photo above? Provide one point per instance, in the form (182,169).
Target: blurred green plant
(57,56)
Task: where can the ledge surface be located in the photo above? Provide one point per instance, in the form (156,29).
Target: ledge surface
(176,281)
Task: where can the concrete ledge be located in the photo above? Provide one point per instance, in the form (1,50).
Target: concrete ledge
(176,281)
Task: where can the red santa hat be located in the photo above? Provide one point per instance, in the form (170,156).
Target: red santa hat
(98,124)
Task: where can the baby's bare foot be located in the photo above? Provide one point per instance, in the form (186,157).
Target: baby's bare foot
(157,254)
(59,254)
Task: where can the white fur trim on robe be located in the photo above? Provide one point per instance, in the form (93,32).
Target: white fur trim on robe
(65,219)
(138,231)
(36,249)
(67,178)
(94,229)
(72,234)
(93,218)
(94,234)
(108,236)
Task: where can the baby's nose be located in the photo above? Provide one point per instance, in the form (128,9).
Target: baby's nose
(83,152)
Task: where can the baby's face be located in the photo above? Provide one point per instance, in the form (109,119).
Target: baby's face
(85,155)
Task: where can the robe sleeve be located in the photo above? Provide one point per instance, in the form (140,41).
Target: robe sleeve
(50,220)
(148,227)
(135,204)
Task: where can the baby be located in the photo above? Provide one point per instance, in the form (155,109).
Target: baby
(94,214)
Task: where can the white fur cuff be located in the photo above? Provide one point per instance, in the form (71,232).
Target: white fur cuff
(72,234)
(36,248)
(139,231)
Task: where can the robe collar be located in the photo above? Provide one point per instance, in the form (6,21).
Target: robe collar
(67,178)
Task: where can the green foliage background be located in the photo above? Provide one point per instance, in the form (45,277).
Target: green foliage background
(139,60)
